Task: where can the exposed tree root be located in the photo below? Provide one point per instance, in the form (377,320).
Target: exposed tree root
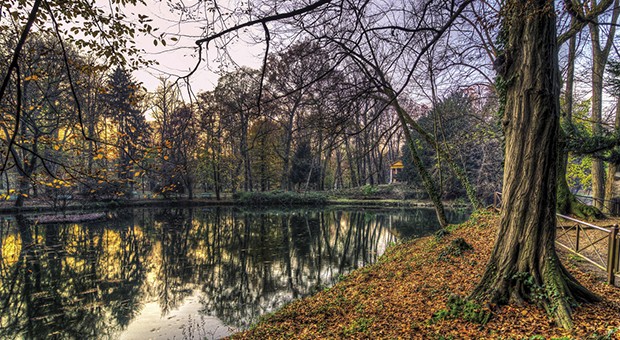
(583,211)
(550,286)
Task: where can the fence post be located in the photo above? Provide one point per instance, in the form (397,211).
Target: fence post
(577,240)
(612,255)
(617,246)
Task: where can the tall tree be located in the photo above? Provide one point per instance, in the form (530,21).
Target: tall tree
(524,255)
(34,114)
(176,172)
(295,75)
(600,55)
(122,97)
(237,93)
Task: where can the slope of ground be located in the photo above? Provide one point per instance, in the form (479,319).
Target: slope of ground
(402,295)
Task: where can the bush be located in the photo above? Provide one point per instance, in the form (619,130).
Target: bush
(280,198)
(467,310)
(369,190)
(383,191)
(456,248)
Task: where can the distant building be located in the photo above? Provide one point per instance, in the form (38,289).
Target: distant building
(396,168)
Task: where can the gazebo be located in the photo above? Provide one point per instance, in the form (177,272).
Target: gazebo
(395,169)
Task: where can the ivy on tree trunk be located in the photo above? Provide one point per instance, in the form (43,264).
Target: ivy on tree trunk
(524,265)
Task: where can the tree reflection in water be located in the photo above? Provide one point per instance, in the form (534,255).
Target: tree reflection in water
(92,280)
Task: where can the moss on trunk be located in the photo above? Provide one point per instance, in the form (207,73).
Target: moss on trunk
(524,266)
(567,203)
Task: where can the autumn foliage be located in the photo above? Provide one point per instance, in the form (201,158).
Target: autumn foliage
(406,294)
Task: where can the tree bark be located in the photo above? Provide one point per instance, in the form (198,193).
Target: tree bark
(456,169)
(567,203)
(524,259)
(285,183)
(610,183)
(600,55)
(352,171)
(427,180)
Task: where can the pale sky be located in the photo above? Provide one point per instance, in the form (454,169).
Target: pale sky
(178,58)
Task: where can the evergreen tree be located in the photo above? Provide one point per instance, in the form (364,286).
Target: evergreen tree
(303,170)
(121,99)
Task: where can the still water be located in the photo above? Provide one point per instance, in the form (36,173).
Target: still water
(182,273)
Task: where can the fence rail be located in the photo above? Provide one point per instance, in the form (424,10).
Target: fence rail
(598,245)
(612,206)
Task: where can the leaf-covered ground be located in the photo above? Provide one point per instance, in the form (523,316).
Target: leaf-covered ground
(398,296)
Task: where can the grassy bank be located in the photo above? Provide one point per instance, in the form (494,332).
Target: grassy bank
(393,195)
(396,191)
(405,295)
(77,205)
(284,198)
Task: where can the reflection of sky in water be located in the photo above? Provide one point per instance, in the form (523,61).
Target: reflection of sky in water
(179,323)
(180,273)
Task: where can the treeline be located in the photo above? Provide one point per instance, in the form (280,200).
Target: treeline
(89,134)
(306,123)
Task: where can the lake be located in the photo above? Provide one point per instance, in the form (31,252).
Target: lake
(183,273)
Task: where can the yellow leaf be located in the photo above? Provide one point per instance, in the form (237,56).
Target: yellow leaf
(56,147)
(165,158)
(32,77)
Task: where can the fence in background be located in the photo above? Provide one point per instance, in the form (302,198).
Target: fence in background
(598,245)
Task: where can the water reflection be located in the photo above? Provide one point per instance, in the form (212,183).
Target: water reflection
(180,272)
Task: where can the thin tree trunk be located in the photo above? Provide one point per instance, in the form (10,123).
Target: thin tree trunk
(598,170)
(599,61)
(456,169)
(285,183)
(427,180)
(611,170)
(245,154)
(354,181)
(567,203)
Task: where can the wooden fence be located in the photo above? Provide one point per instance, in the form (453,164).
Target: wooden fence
(598,245)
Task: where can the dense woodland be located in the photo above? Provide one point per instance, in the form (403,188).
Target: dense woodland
(308,120)
(458,90)
(290,132)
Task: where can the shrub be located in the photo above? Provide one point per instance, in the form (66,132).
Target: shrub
(456,248)
(458,307)
(280,198)
(368,190)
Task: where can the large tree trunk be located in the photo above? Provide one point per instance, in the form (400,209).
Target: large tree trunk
(524,255)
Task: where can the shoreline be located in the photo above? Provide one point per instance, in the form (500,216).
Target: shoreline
(183,202)
(406,294)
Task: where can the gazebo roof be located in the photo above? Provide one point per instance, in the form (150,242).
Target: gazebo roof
(397,165)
